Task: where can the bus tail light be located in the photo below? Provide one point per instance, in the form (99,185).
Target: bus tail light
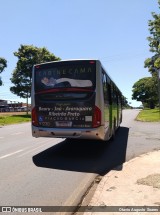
(96,117)
(34,117)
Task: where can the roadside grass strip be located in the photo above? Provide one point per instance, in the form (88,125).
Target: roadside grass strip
(14,119)
(149,115)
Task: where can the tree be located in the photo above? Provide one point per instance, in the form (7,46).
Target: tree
(125,102)
(153,63)
(154,42)
(3,65)
(145,90)
(28,55)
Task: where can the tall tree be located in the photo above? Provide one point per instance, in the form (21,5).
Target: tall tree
(3,65)
(153,63)
(145,90)
(28,55)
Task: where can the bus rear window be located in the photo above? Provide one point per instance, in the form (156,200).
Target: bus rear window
(64,96)
(65,75)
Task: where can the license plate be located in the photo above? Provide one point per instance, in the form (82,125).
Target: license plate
(63,124)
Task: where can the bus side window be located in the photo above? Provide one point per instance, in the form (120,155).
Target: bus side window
(109,93)
(104,87)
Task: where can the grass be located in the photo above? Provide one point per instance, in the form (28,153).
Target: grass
(149,115)
(8,119)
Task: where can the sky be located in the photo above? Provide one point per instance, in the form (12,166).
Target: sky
(113,31)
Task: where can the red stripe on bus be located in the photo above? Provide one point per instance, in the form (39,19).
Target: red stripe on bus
(64,90)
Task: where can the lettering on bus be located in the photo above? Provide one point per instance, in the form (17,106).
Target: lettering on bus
(65,116)
(65,71)
(67,108)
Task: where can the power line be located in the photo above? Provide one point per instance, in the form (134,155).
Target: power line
(122,58)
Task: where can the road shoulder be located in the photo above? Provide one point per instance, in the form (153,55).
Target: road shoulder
(138,184)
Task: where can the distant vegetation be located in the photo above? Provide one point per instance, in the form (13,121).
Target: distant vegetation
(3,65)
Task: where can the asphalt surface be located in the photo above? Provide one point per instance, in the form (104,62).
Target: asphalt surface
(143,137)
(24,183)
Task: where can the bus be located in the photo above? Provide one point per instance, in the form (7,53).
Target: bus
(74,99)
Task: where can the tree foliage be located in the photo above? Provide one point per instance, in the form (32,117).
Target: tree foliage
(3,65)
(154,42)
(145,90)
(28,55)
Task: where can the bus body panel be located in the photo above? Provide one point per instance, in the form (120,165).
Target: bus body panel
(50,110)
(96,133)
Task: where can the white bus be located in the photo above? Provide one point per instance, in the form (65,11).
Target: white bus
(74,99)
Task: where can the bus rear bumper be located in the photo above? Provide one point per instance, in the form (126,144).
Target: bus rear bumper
(94,133)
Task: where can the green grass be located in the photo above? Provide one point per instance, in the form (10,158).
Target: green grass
(14,119)
(149,115)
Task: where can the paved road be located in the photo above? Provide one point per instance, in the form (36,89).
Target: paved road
(24,183)
(143,136)
(52,172)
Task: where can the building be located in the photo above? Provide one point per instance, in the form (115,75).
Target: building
(12,106)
